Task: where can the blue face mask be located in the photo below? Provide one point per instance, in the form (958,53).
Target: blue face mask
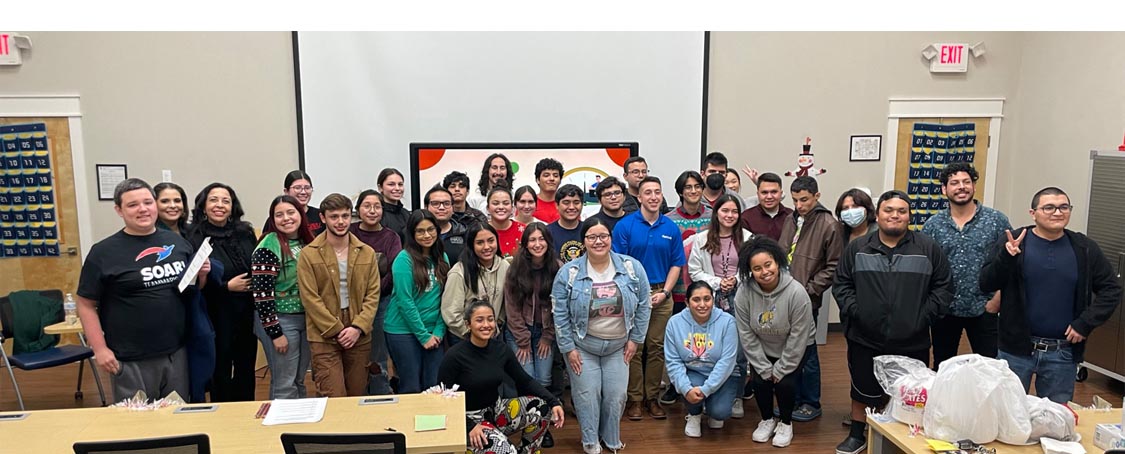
(853,217)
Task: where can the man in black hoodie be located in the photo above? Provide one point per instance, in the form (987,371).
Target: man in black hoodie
(1056,287)
(891,285)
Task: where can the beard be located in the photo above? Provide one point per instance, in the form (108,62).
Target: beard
(894,232)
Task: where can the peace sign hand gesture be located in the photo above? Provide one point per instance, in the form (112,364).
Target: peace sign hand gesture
(1013,244)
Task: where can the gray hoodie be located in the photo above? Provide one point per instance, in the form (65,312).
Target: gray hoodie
(777,324)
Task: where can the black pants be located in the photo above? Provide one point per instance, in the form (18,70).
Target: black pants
(785,390)
(236,350)
(983,331)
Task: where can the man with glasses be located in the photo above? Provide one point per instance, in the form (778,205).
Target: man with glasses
(457,183)
(611,195)
(655,241)
(440,202)
(636,169)
(564,231)
(1055,287)
(965,232)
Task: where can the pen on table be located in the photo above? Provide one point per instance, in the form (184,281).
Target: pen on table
(262,411)
(390,429)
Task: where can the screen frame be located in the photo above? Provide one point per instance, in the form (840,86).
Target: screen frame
(415,182)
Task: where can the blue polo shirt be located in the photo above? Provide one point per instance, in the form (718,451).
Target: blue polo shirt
(967,249)
(657,246)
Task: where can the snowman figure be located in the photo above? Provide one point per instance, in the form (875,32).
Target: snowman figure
(805,162)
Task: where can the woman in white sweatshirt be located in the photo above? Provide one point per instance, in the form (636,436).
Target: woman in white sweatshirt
(774,318)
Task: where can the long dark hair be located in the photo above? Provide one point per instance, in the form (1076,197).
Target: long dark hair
(414,250)
(303,234)
(713,242)
(859,199)
(236,212)
(182,222)
(484,184)
(523,275)
(759,244)
(469,259)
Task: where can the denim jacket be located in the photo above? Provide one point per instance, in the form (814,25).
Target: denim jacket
(570,299)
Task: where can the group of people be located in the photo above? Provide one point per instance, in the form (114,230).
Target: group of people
(510,295)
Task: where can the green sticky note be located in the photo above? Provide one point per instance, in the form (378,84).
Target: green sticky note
(425,423)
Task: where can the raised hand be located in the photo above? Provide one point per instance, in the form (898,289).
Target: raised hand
(1013,244)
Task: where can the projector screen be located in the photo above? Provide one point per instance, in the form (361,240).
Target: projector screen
(363,98)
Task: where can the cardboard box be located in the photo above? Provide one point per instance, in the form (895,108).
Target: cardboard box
(1109,436)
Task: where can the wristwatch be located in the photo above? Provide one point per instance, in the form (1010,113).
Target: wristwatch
(667,294)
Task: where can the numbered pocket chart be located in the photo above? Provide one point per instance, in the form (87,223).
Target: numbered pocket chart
(933,146)
(28,225)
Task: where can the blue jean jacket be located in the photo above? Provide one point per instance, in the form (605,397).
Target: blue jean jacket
(570,299)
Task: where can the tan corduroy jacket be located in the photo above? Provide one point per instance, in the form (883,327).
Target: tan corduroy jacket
(319,281)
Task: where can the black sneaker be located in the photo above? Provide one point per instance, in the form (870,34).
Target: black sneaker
(851,445)
(748,391)
(548,440)
(670,396)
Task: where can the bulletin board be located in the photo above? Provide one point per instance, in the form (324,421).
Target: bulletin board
(28,219)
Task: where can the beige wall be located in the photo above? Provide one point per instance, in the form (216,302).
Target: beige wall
(768,91)
(208,107)
(1072,100)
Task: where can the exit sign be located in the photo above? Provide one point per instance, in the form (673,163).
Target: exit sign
(950,58)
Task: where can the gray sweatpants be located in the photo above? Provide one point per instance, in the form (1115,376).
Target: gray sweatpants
(157,377)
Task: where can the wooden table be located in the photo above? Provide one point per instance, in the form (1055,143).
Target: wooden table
(893,437)
(233,428)
(66,328)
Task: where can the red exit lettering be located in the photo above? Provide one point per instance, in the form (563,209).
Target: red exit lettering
(4,44)
(952,54)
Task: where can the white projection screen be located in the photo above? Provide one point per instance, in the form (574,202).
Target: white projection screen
(365,96)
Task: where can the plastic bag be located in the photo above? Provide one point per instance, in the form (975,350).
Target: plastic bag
(908,382)
(1051,420)
(979,399)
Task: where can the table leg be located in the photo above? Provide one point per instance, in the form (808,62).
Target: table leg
(878,444)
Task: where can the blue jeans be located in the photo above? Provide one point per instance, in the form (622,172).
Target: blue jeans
(538,368)
(718,403)
(1054,372)
(599,391)
(287,371)
(417,367)
(808,379)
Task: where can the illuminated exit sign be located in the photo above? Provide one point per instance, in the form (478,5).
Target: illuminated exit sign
(950,58)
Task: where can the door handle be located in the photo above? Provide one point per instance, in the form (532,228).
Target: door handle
(72,251)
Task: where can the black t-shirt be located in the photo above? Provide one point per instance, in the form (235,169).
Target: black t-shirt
(479,372)
(134,280)
(315,224)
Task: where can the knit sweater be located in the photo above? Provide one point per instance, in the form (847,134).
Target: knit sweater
(273,282)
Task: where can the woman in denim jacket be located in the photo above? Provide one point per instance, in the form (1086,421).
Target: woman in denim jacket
(601,316)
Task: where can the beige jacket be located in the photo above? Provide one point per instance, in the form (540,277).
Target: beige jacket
(319,281)
(456,296)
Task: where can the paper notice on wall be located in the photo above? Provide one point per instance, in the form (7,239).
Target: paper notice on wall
(196,264)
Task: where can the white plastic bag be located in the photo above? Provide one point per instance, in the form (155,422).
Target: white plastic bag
(979,399)
(1051,420)
(908,382)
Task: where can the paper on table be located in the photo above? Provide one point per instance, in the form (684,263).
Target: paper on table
(196,263)
(425,423)
(295,411)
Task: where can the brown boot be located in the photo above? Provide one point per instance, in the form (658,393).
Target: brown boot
(634,410)
(655,410)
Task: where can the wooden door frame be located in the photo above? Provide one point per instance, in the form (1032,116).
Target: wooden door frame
(992,108)
(61,106)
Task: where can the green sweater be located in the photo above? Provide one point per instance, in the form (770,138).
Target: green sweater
(411,311)
(273,282)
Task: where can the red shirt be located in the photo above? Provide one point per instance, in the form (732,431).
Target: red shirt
(546,211)
(510,238)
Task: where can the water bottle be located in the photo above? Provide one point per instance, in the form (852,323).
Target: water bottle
(71,309)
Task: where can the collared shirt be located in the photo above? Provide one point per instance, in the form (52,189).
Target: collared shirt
(759,222)
(657,246)
(967,249)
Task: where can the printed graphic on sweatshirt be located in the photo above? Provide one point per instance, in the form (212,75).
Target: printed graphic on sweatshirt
(699,344)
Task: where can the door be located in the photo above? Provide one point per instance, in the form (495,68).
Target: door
(925,146)
(42,271)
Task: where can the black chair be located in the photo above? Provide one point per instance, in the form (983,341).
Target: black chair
(179,444)
(51,357)
(376,443)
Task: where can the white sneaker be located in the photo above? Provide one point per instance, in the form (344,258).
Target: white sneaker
(736,410)
(692,429)
(764,431)
(715,423)
(592,449)
(783,435)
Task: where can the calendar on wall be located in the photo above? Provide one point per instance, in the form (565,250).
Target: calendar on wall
(932,147)
(28,220)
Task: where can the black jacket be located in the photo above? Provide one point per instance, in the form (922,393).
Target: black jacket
(888,297)
(394,218)
(453,242)
(1097,294)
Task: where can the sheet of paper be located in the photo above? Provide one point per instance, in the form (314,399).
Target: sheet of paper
(425,423)
(295,411)
(196,263)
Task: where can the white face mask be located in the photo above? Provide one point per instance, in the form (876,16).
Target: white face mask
(853,217)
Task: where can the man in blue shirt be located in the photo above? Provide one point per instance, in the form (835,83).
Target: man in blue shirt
(1057,286)
(965,232)
(654,240)
(564,231)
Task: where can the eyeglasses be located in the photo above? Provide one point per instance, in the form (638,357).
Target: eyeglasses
(612,194)
(426,231)
(1051,209)
(599,237)
(638,172)
(441,204)
(693,187)
(301,188)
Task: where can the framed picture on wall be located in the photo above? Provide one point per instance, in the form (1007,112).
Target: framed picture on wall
(109,175)
(866,148)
